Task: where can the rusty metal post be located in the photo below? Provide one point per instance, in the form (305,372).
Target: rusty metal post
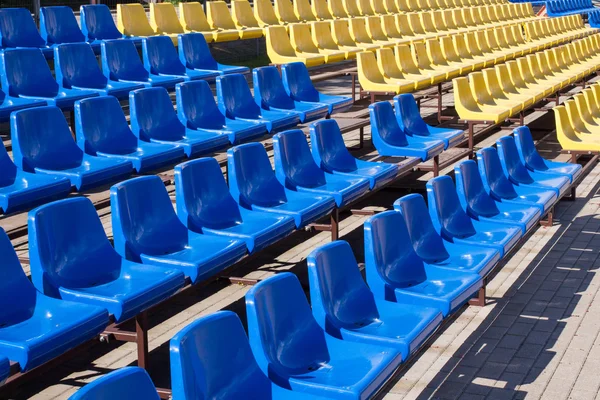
(335,229)
(141,330)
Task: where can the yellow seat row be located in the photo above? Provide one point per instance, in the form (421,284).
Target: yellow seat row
(216,25)
(433,61)
(578,121)
(495,94)
(546,32)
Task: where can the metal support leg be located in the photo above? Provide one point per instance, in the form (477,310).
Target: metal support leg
(573,196)
(361,138)
(141,330)
(522,118)
(335,220)
(353,88)
(439,102)
(549,219)
(470,132)
(436,166)
(372,97)
(479,300)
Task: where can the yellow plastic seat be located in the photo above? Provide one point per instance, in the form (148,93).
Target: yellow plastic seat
(490,76)
(591,102)
(468,109)
(583,108)
(321,10)
(265,14)
(474,48)
(389,68)
(526,75)
(351,8)
(284,11)
(243,16)
(448,51)
(391,7)
(280,50)
(192,19)
(439,22)
(439,60)
(377,34)
(378,6)
(584,131)
(403,5)
(365,8)
(342,37)
(459,21)
(219,17)
(467,16)
(424,62)
(163,19)
(506,40)
(556,68)
(358,32)
(336,8)
(568,138)
(484,45)
(508,86)
(490,37)
(416,26)
(542,63)
(456,45)
(323,39)
(132,21)
(427,23)
(524,87)
(484,98)
(403,26)
(410,69)
(301,40)
(372,80)
(303,11)
(388,25)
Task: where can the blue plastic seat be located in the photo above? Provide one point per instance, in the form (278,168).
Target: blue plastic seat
(480,206)
(122,384)
(20,189)
(4,369)
(299,87)
(454,225)
(42,143)
(254,186)
(236,102)
(412,124)
(204,205)
(76,67)
(25,74)
(58,25)
(296,170)
(396,273)
(72,259)
(345,308)
(195,55)
(161,58)
(498,186)
(518,173)
(18,30)
(433,249)
(226,369)
(147,230)
(332,156)
(270,94)
(295,353)
(535,162)
(97,24)
(37,328)
(102,130)
(390,140)
(153,119)
(197,110)
(9,104)
(121,62)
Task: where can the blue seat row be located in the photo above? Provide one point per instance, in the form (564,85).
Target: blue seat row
(556,8)
(403,133)
(594,18)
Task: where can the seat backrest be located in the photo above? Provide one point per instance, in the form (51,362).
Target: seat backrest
(492,175)
(218,15)
(408,116)
(265,13)
(445,210)
(241,12)
(160,56)
(509,157)
(75,65)
(336,7)
(163,18)
(341,33)
(194,52)
(284,335)
(297,82)
(100,126)
(351,8)
(224,369)
(17,29)
(303,11)
(128,382)
(294,165)
(120,60)
(284,10)
(196,106)
(17,294)
(526,148)
(68,247)
(25,72)
(386,63)
(339,296)
(269,90)
(389,251)
(41,138)
(153,116)
(192,17)
(203,198)
(234,97)
(251,177)
(97,23)
(8,169)
(278,41)
(321,9)
(132,20)
(328,148)
(384,124)
(300,38)
(143,219)
(59,25)
(471,191)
